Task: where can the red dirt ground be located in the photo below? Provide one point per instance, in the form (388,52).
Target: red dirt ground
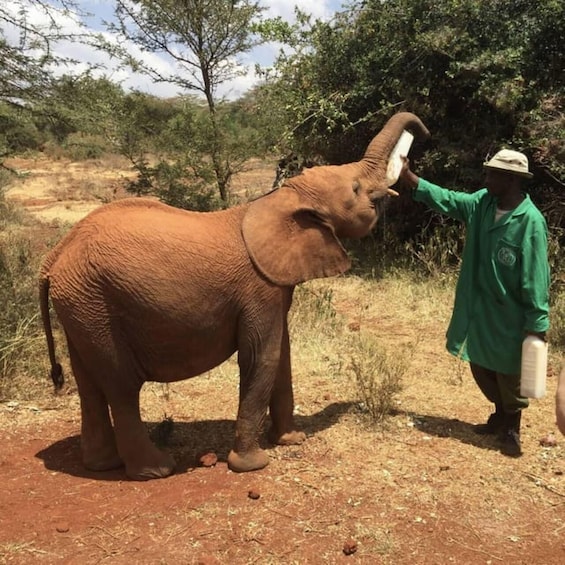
(307,505)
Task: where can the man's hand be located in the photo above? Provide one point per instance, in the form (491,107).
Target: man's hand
(541,335)
(407,177)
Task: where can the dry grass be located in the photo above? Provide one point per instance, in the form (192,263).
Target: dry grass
(65,191)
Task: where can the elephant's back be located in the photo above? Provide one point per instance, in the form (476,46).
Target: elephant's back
(143,246)
(150,229)
(145,217)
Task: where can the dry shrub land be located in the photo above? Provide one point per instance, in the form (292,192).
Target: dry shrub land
(415,487)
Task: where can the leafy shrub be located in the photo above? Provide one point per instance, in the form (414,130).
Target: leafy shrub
(378,375)
(18,133)
(177,184)
(80,147)
(377,254)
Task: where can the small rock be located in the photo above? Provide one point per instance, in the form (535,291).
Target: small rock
(354,326)
(349,547)
(208,459)
(548,441)
(253,494)
(62,527)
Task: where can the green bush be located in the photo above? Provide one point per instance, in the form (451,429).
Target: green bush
(176,184)
(18,132)
(80,147)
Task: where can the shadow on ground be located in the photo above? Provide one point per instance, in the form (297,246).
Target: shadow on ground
(186,441)
(452,428)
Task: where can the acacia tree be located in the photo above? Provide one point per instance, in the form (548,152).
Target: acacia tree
(28,31)
(203,40)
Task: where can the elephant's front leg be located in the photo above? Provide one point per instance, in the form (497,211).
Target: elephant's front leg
(281,406)
(259,357)
(256,381)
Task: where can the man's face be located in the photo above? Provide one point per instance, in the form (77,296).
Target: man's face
(499,182)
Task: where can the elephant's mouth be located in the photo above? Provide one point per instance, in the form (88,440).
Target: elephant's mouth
(380,204)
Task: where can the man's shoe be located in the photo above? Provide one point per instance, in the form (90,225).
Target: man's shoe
(510,436)
(510,443)
(492,427)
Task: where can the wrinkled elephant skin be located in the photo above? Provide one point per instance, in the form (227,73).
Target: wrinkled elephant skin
(147,292)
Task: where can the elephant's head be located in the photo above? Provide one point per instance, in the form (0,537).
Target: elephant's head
(292,233)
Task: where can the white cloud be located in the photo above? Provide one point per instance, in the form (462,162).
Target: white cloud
(266,54)
(319,9)
(102,10)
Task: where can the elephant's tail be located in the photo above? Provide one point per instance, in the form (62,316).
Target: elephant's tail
(56,369)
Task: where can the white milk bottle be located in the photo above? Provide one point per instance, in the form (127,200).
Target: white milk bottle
(395,162)
(534,367)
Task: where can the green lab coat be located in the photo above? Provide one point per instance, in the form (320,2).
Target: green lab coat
(503,286)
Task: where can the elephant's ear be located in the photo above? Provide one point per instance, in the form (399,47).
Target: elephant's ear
(289,241)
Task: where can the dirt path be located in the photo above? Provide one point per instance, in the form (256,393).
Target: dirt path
(63,190)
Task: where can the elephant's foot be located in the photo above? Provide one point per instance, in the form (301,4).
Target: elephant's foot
(162,466)
(287,438)
(103,464)
(251,461)
(101,459)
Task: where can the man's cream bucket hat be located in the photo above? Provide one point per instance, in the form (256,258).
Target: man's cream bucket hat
(510,162)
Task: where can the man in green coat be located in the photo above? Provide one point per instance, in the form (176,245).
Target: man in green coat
(502,292)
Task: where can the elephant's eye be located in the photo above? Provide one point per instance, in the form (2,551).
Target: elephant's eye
(356,186)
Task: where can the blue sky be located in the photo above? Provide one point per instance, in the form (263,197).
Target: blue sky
(264,55)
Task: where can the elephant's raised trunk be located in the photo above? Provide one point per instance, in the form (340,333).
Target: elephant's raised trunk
(380,148)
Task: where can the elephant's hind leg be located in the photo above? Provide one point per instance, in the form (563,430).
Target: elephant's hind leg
(98,443)
(123,379)
(142,458)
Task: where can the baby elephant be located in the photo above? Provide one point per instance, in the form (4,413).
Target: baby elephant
(147,292)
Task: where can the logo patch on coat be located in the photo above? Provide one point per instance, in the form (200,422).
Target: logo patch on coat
(506,256)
